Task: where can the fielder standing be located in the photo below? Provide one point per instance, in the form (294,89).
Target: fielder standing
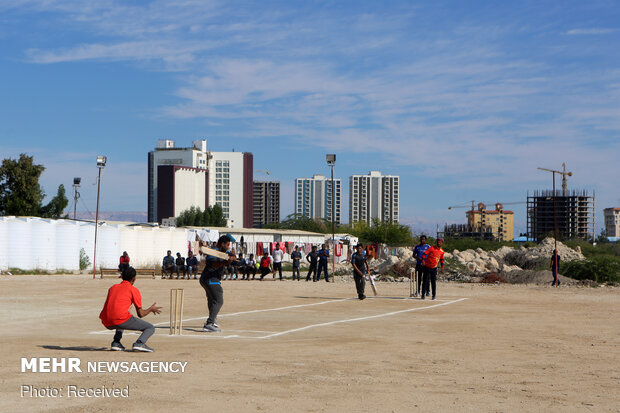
(418,251)
(431,259)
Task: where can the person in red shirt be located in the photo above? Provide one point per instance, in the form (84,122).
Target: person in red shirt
(116,316)
(124,262)
(431,258)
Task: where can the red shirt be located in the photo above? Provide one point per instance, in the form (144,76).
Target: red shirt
(124,260)
(120,298)
(432,257)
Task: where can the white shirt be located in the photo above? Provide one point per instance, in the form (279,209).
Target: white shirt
(277,256)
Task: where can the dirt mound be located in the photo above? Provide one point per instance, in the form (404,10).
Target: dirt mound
(534,277)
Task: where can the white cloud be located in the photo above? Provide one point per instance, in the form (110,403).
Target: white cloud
(591,31)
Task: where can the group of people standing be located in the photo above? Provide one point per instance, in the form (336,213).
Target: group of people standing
(428,258)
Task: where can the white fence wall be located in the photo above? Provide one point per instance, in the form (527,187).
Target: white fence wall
(51,245)
(4,244)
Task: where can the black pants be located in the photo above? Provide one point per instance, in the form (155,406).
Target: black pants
(311,271)
(169,270)
(322,267)
(419,270)
(264,271)
(430,275)
(215,297)
(122,266)
(249,269)
(296,270)
(277,266)
(360,284)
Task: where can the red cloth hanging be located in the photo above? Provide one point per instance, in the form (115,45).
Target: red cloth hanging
(338,250)
(259,249)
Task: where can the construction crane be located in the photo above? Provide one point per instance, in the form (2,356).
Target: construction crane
(564,175)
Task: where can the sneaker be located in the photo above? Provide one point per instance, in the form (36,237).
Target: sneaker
(361,297)
(141,347)
(433,298)
(210,328)
(428,294)
(116,346)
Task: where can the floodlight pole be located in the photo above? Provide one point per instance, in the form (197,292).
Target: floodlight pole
(333,227)
(76,195)
(100,164)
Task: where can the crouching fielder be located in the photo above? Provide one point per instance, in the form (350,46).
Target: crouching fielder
(211,281)
(360,268)
(116,316)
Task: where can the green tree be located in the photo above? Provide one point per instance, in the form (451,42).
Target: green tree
(383,232)
(57,205)
(195,217)
(302,223)
(20,192)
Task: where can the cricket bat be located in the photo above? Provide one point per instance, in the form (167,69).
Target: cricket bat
(372,284)
(214,253)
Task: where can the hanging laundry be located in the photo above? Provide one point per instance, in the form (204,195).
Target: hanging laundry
(259,249)
(338,250)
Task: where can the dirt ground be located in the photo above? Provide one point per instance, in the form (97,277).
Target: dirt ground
(309,347)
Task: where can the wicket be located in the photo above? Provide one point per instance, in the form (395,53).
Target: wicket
(176,311)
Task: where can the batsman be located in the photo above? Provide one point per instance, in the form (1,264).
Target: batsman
(360,268)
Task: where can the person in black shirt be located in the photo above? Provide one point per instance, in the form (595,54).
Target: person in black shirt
(323,257)
(180,264)
(312,258)
(360,268)
(555,267)
(191,265)
(296,256)
(211,281)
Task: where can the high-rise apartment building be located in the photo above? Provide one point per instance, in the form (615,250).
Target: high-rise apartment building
(612,221)
(571,211)
(313,197)
(373,196)
(227,178)
(266,203)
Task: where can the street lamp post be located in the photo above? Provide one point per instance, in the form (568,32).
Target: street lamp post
(331,161)
(101,161)
(76,194)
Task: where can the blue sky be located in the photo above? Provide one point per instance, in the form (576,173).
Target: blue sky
(463,100)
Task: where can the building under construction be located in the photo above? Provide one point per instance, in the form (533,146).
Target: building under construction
(484,224)
(574,214)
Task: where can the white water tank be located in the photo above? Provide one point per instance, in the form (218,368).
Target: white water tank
(4,244)
(108,246)
(67,246)
(44,237)
(20,248)
(146,256)
(87,235)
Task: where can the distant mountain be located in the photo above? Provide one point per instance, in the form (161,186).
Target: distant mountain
(132,216)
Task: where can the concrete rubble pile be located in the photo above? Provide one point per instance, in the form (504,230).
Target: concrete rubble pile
(478,262)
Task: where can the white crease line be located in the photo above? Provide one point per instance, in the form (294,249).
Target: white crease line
(241,313)
(349,320)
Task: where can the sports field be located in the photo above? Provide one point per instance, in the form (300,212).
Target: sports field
(311,347)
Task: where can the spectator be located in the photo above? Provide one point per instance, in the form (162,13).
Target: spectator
(323,257)
(250,267)
(168,265)
(555,267)
(124,262)
(265,265)
(277,260)
(191,265)
(180,265)
(296,256)
(312,258)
